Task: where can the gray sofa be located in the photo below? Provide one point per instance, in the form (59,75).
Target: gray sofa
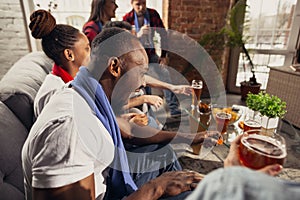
(17,92)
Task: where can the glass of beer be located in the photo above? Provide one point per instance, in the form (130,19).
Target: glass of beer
(250,124)
(257,150)
(200,122)
(204,114)
(222,120)
(197,90)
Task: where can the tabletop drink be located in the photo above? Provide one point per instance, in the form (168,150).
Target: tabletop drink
(222,120)
(197,91)
(257,151)
(200,121)
(252,125)
(205,115)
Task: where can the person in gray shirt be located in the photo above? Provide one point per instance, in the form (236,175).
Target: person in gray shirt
(237,182)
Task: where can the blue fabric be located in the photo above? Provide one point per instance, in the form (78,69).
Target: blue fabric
(149,41)
(90,89)
(146,20)
(100,26)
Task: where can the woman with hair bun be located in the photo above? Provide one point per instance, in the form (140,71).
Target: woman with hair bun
(65,45)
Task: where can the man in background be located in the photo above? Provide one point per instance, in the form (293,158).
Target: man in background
(144,21)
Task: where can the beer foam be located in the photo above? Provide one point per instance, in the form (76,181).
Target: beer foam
(264,145)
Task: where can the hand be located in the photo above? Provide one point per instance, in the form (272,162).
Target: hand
(145,30)
(272,170)
(167,184)
(139,119)
(174,183)
(232,158)
(154,100)
(212,135)
(181,89)
(163,61)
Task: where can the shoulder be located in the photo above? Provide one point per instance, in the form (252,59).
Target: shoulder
(129,17)
(51,84)
(91,26)
(152,12)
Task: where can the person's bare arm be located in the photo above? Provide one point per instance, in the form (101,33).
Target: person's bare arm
(142,135)
(154,100)
(177,89)
(83,190)
(168,184)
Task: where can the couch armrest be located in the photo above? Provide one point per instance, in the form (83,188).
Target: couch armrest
(12,137)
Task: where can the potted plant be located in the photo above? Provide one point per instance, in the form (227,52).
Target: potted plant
(231,36)
(234,33)
(269,106)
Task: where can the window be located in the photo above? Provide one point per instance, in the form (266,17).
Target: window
(76,21)
(271,30)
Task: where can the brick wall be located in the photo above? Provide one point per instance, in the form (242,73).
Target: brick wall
(196,18)
(13,40)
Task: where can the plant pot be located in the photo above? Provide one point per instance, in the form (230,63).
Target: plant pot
(247,87)
(269,123)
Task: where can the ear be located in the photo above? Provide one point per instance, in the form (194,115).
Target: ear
(69,55)
(114,67)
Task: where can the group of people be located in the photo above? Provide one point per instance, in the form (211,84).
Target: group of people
(83,144)
(145,21)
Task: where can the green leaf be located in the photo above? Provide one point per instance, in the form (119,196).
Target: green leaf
(268,105)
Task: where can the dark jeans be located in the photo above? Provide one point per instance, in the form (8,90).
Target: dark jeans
(150,161)
(146,163)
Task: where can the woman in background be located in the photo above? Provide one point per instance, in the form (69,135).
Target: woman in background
(65,45)
(101,12)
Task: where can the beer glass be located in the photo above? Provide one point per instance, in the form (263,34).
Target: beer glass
(258,150)
(252,122)
(197,90)
(222,120)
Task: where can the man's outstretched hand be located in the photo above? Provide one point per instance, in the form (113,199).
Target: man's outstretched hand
(168,184)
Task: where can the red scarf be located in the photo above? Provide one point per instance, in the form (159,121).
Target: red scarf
(59,71)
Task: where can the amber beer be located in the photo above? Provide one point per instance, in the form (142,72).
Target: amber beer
(200,121)
(257,151)
(197,91)
(251,125)
(222,120)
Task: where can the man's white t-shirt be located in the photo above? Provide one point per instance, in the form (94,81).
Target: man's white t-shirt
(50,85)
(66,144)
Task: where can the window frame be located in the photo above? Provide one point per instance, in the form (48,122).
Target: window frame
(289,53)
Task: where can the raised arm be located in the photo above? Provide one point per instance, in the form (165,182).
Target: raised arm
(154,100)
(142,135)
(178,89)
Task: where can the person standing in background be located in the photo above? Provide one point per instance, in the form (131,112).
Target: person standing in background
(145,21)
(101,12)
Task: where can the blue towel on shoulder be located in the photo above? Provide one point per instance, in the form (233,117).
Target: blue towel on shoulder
(91,90)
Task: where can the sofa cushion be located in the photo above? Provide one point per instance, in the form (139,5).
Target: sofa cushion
(20,84)
(12,137)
